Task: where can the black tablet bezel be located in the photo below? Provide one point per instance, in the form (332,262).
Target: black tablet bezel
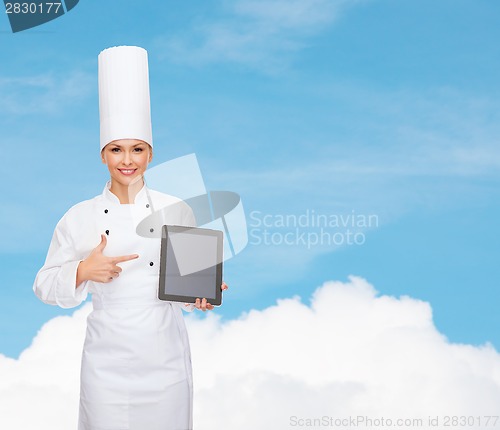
(162,294)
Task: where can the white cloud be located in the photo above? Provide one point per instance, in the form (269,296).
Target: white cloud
(255,33)
(40,389)
(350,352)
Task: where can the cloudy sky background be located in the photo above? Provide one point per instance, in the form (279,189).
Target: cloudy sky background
(377,107)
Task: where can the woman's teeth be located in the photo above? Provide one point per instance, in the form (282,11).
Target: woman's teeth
(127,171)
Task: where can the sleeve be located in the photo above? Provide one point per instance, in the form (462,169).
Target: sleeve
(55,283)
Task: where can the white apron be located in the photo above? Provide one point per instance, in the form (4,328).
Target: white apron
(136,365)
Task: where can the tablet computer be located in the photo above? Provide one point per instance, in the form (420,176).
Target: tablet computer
(190,264)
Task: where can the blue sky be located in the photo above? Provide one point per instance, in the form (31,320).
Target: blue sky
(377,107)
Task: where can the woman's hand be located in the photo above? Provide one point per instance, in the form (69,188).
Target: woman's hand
(99,268)
(204,305)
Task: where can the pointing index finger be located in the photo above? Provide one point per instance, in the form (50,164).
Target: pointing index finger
(123,258)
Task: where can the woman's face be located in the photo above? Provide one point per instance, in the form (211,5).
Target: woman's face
(127,160)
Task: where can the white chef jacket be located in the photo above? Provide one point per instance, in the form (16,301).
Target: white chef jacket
(136,363)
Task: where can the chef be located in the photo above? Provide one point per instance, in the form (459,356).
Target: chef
(136,364)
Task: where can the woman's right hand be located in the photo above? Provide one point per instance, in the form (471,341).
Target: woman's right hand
(99,268)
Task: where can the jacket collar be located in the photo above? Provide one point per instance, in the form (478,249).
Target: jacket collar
(141,196)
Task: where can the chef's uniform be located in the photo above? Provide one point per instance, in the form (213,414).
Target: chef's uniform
(136,365)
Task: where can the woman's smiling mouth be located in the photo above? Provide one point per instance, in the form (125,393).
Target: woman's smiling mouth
(127,171)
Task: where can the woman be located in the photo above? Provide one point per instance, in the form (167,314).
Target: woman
(136,366)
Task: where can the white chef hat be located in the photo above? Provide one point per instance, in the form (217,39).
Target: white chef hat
(124,104)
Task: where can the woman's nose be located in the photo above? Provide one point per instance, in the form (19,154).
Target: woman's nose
(127,159)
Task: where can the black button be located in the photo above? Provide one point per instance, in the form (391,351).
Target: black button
(147,205)
(107,232)
(151,263)
(105,211)
(151,230)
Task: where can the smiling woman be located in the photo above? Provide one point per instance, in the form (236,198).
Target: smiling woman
(136,364)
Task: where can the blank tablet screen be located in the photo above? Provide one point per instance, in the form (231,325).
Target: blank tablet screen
(191,264)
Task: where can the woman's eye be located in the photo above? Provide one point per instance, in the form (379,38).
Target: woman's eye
(138,149)
(115,149)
